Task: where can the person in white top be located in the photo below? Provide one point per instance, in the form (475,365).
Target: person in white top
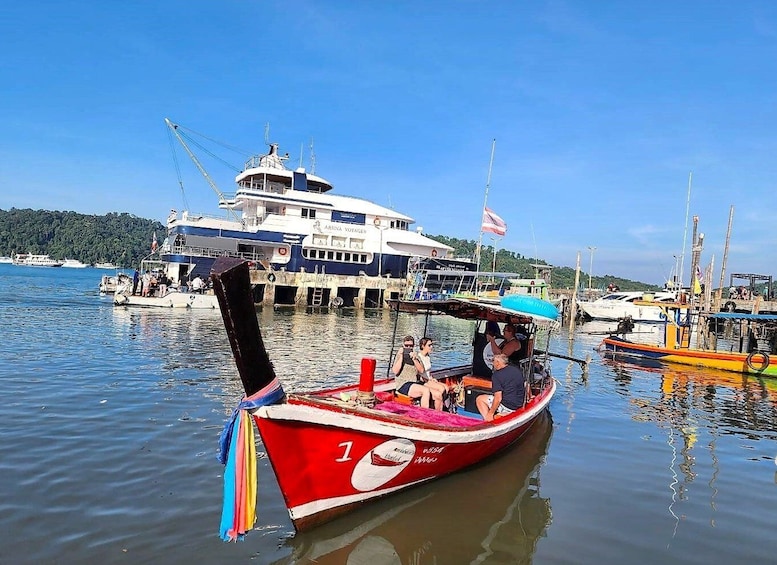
(437,388)
(198,284)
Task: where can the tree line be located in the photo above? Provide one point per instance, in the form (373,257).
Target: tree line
(511,262)
(125,239)
(122,239)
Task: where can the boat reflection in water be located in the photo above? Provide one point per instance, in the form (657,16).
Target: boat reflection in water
(490,513)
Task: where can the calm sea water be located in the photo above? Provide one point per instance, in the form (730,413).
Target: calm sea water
(110,419)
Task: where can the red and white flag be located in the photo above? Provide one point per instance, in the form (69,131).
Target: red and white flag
(153,243)
(493,223)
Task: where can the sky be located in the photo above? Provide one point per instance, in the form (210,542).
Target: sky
(602,112)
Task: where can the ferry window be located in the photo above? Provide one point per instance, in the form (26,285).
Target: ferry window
(338,256)
(321,254)
(305,253)
(308,213)
(347,256)
(320,240)
(363,258)
(330,255)
(357,243)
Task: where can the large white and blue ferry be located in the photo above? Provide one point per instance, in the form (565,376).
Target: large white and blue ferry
(288,220)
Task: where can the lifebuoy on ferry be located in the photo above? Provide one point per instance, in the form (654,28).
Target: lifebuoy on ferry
(376,222)
(282,251)
(434,253)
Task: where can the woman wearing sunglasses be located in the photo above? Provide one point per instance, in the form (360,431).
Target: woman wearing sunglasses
(437,388)
(407,366)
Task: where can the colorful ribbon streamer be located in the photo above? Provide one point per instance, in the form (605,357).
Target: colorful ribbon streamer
(238,453)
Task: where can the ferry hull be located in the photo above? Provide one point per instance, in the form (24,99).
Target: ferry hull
(747,363)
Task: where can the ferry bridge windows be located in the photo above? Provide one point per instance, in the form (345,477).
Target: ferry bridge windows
(340,256)
(309,213)
(398,224)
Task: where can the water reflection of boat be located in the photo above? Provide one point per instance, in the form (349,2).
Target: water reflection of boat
(470,517)
(735,398)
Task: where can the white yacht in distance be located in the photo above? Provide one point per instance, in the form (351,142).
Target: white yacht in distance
(5,259)
(617,305)
(105,265)
(288,220)
(30,260)
(74,264)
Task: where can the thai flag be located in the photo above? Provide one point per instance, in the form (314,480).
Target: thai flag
(153,244)
(493,223)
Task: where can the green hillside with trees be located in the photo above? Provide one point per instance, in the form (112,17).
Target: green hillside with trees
(125,239)
(122,239)
(511,262)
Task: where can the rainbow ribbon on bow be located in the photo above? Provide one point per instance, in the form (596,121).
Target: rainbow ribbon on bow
(238,453)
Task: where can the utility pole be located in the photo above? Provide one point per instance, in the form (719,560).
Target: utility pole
(591,248)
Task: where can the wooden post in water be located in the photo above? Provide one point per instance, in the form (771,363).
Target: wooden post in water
(719,294)
(232,285)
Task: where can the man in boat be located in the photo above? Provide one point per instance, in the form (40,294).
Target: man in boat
(407,366)
(508,386)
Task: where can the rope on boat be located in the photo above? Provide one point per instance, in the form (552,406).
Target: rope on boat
(237,450)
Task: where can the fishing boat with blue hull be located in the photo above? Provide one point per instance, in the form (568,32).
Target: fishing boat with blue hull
(280,219)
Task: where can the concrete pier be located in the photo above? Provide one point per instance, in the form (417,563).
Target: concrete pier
(273,288)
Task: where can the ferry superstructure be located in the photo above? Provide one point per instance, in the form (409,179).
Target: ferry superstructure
(287,220)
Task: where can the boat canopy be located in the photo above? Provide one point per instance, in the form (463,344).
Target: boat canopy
(738,316)
(470,310)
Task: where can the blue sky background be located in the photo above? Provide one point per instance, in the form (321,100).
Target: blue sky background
(600,111)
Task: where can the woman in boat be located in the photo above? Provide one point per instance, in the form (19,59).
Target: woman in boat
(406,368)
(437,388)
(511,346)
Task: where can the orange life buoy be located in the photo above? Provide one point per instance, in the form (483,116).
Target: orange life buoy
(434,253)
(282,251)
(377,222)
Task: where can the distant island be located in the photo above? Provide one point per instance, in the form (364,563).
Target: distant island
(124,239)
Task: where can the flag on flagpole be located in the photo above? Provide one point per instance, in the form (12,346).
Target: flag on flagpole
(493,223)
(697,281)
(153,243)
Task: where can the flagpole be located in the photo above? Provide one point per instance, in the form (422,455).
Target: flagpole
(685,233)
(485,203)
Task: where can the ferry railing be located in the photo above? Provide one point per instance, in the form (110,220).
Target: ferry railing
(214,253)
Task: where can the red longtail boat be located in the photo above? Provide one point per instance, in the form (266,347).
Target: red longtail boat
(333,450)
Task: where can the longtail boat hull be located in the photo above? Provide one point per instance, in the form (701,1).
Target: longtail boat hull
(330,459)
(748,363)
